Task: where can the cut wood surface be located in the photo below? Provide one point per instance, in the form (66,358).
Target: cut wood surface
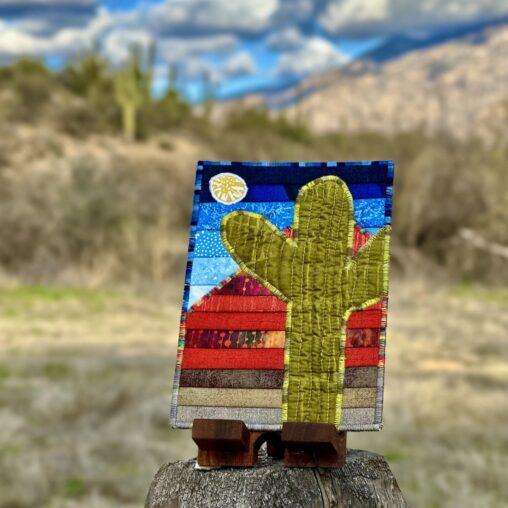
(365,481)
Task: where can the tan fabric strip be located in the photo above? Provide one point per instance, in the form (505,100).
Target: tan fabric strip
(355,417)
(252,398)
(230,397)
(359,397)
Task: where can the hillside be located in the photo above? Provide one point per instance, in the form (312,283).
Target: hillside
(458,86)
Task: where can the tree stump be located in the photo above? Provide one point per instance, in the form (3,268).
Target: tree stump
(365,481)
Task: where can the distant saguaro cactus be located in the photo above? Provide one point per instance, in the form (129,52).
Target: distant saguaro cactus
(316,273)
(132,90)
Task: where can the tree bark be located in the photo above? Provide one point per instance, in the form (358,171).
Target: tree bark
(365,481)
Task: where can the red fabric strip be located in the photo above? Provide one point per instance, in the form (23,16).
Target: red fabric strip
(233,359)
(362,357)
(236,321)
(365,319)
(263,358)
(237,303)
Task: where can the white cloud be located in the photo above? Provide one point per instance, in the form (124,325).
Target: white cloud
(197,69)
(288,39)
(187,32)
(176,48)
(45,17)
(195,16)
(240,64)
(315,55)
(117,44)
(375,17)
(15,42)
(46,3)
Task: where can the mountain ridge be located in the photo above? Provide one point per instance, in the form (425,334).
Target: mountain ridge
(457,86)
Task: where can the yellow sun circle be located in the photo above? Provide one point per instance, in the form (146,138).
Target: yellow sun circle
(228,188)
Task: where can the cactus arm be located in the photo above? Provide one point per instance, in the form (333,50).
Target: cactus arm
(367,271)
(324,210)
(260,249)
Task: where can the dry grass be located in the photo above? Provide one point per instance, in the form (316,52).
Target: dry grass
(85,383)
(99,212)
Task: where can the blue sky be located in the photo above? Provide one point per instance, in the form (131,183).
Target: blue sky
(236,45)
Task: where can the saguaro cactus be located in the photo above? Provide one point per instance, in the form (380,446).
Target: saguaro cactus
(316,273)
(132,90)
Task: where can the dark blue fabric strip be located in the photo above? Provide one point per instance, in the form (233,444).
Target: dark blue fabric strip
(266,193)
(298,175)
(281,193)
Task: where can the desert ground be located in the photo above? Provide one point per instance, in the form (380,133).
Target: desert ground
(86,376)
(94,228)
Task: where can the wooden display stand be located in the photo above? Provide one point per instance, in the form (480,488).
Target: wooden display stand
(231,443)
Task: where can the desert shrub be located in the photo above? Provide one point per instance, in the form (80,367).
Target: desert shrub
(90,80)
(164,114)
(31,86)
(259,120)
(115,220)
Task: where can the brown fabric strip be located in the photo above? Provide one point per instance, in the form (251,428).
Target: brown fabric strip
(230,378)
(361,377)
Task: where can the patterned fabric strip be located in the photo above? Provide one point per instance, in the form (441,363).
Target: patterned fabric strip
(217,339)
(362,337)
(211,271)
(233,359)
(279,214)
(368,213)
(236,321)
(239,303)
(227,378)
(243,284)
(234,339)
(208,243)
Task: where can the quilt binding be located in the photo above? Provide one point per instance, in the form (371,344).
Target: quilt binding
(378,414)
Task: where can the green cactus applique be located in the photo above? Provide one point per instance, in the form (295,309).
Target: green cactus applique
(322,283)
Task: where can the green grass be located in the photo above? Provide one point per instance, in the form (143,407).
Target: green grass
(57,371)
(5,373)
(16,301)
(32,294)
(478,292)
(74,488)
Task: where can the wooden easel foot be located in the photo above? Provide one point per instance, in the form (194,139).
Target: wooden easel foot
(313,445)
(231,443)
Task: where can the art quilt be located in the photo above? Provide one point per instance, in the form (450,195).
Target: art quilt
(286,293)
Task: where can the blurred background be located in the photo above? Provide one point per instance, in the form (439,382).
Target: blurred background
(105,106)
